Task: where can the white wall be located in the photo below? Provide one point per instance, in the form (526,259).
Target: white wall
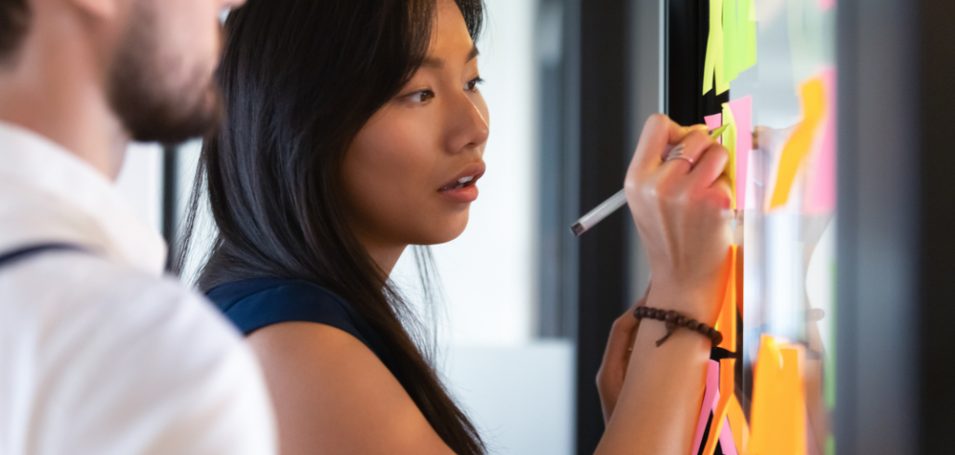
(488,273)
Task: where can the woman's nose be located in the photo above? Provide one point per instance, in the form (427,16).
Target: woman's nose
(469,124)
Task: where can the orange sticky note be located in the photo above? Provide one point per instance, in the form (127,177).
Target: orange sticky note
(727,386)
(778,423)
(738,424)
(726,324)
(813,99)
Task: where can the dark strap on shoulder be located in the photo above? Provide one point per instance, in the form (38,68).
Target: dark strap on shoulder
(27,251)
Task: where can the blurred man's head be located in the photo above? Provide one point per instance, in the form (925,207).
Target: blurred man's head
(155,58)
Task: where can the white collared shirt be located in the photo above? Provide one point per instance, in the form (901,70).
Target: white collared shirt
(99,353)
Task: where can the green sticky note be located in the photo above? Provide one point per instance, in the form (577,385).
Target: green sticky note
(713,63)
(731,40)
(730,44)
(739,31)
(750,32)
(722,82)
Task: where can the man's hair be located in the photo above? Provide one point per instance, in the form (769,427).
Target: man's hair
(14,21)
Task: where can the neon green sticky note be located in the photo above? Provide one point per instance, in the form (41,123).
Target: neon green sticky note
(722,82)
(714,61)
(739,37)
(750,32)
(732,62)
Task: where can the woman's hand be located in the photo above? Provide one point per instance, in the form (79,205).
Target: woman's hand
(613,367)
(681,212)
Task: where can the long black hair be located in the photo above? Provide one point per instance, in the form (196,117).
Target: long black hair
(300,78)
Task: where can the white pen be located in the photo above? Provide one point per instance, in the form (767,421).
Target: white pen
(613,203)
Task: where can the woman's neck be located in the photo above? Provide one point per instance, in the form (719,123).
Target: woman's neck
(384,254)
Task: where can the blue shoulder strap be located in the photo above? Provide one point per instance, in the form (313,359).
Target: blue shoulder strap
(27,251)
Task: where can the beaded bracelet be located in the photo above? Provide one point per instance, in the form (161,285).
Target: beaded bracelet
(674,320)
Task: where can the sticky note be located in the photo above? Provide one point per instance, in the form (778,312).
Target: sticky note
(738,140)
(732,60)
(710,397)
(727,386)
(739,37)
(738,424)
(749,34)
(713,68)
(726,439)
(821,188)
(713,121)
(778,418)
(812,96)
(729,142)
(826,4)
(742,112)
(726,324)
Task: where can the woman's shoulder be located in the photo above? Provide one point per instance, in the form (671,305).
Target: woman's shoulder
(253,304)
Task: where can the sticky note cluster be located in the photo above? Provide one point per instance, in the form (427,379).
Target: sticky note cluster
(738,140)
(731,43)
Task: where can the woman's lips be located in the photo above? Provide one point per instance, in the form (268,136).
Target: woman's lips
(462,194)
(463,188)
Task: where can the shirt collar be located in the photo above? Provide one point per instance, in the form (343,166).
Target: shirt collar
(47,194)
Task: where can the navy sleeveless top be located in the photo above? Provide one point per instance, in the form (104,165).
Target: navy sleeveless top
(260,302)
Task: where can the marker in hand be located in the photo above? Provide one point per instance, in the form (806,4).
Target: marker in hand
(613,203)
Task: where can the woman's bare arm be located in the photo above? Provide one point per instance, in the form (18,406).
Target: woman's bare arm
(679,209)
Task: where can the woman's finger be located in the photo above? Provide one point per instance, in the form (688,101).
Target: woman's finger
(659,132)
(692,148)
(710,166)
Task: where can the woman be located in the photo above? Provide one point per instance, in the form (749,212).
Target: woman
(356,128)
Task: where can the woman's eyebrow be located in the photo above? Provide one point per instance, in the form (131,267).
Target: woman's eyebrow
(438,63)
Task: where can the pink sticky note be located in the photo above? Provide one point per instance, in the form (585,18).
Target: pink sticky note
(727,443)
(743,113)
(713,121)
(826,4)
(710,397)
(821,192)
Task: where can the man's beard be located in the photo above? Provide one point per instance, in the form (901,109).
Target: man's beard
(151,105)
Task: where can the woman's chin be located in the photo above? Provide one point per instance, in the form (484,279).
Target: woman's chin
(445,232)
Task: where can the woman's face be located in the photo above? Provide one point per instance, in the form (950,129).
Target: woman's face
(401,174)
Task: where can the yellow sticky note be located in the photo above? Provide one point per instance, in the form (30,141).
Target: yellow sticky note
(813,99)
(778,418)
(729,141)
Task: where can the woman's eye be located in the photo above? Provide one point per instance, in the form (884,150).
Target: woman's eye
(473,84)
(421,96)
